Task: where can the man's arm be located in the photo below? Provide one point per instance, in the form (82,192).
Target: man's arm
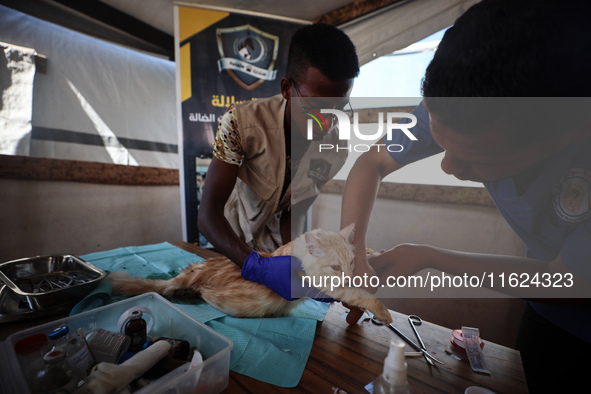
(359,196)
(274,272)
(219,183)
(522,277)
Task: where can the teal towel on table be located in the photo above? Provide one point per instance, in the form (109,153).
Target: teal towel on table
(273,350)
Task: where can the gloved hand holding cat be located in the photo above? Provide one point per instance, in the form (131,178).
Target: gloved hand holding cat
(282,274)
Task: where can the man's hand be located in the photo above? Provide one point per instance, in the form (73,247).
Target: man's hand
(403,259)
(280,274)
(363,267)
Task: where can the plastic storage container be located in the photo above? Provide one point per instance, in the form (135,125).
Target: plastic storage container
(209,377)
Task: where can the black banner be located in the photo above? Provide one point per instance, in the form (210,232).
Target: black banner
(225,58)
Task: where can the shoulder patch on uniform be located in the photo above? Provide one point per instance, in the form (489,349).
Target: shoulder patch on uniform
(319,170)
(572,196)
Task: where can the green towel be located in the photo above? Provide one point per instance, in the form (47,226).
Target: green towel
(271,350)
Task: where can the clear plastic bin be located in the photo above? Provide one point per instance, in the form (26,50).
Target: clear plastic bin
(211,377)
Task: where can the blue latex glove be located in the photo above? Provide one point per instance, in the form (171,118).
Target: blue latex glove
(280,274)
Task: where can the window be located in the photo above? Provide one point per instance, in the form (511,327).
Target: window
(399,75)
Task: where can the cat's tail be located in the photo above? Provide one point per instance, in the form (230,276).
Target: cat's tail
(126,285)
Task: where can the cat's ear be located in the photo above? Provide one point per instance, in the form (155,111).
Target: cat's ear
(313,246)
(348,233)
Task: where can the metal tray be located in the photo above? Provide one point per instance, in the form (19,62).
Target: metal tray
(13,307)
(49,282)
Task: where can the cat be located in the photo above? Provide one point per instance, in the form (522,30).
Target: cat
(218,281)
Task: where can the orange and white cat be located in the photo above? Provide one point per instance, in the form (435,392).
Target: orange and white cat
(218,281)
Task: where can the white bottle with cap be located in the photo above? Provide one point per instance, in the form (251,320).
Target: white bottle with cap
(393,379)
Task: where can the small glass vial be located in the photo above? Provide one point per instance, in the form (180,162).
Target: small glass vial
(80,355)
(58,374)
(29,352)
(58,337)
(135,328)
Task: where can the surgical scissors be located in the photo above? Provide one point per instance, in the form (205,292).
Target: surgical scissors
(414,321)
(421,348)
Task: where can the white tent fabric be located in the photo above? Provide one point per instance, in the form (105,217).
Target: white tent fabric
(380,33)
(97,101)
(376,34)
(399,26)
(17,71)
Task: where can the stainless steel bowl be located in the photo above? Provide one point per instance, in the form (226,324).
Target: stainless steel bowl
(47,282)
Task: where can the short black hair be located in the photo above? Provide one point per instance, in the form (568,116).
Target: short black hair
(324,47)
(510,48)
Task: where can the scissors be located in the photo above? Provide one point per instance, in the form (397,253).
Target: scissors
(415,321)
(421,348)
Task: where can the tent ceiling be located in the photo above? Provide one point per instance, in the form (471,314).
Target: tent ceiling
(148,25)
(159,13)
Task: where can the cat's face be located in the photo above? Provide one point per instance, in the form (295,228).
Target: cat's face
(332,252)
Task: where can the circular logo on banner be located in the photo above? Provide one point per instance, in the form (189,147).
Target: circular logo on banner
(247,54)
(572,196)
(252,49)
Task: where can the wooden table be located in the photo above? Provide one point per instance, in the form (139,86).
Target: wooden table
(348,357)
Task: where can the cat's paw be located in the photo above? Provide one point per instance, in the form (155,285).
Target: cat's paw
(374,306)
(354,314)
(383,314)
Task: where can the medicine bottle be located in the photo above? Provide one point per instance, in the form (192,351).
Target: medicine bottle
(79,355)
(393,379)
(135,328)
(58,337)
(29,352)
(57,375)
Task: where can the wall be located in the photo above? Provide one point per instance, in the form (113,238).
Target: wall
(47,217)
(67,206)
(464,227)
